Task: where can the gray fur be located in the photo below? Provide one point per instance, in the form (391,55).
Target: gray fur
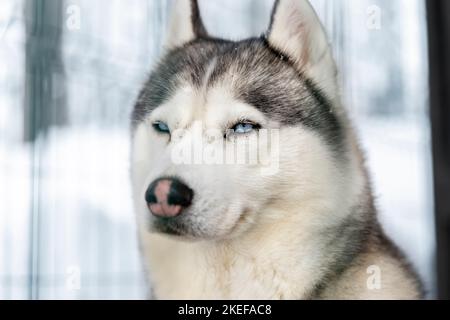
(267,80)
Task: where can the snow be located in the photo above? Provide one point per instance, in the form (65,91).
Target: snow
(83,198)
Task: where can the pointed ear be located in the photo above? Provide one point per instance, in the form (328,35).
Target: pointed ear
(296,32)
(185,24)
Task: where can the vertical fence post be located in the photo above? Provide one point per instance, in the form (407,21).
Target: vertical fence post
(45,96)
(44,105)
(439,55)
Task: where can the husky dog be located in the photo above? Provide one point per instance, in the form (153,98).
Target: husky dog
(307,230)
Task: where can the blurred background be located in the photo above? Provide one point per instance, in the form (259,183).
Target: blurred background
(69,74)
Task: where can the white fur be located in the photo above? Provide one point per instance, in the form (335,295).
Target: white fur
(297,32)
(286,211)
(180,29)
(263,234)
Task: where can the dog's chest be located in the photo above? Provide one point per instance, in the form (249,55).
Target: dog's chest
(195,271)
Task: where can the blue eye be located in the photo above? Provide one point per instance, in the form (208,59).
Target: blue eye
(161,127)
(245,127)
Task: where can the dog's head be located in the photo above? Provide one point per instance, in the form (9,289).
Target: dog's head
(224,131)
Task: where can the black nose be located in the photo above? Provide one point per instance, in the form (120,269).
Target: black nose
(167,197)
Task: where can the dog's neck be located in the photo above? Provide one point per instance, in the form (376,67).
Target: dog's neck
(284,259)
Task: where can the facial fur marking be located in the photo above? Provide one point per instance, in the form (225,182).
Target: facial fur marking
(295,222)
(267,80)
(187,64)
(270,82)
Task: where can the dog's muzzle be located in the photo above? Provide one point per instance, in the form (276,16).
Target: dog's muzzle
(168,197)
